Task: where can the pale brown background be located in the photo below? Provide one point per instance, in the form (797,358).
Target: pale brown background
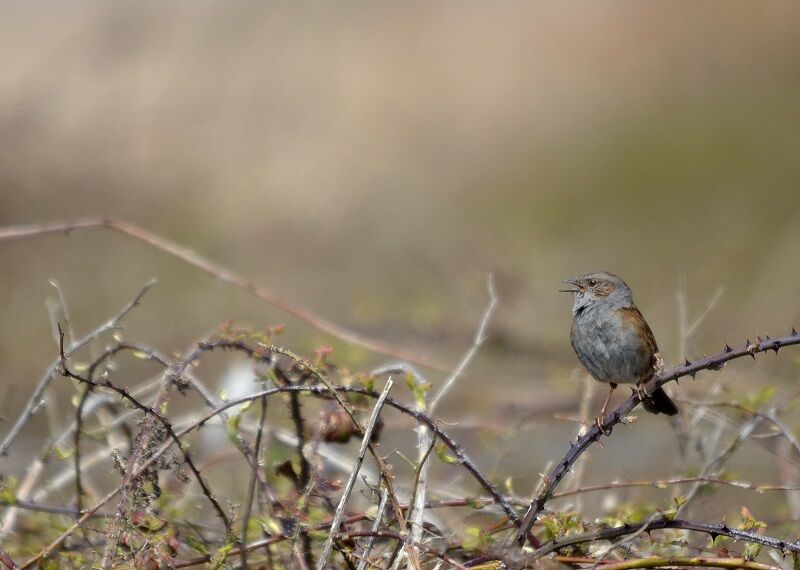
(374,162)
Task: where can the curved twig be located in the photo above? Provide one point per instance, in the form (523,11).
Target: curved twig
(215,270)
(150,412)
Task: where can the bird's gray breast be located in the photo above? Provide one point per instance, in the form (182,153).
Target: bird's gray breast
(607,348)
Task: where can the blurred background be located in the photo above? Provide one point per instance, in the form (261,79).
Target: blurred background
(375,162)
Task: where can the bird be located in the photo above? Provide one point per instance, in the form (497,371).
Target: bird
(612,339)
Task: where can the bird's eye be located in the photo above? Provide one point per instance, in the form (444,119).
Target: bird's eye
(592,282)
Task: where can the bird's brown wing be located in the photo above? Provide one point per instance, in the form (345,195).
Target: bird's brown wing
(633,318)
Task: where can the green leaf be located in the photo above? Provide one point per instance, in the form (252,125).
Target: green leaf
(233,427)
(63,454)
(444,456)
(751,551)
(220,556)
(473,539)
(418,389)
(270,525)
(8,494)
(477,504)
(318,535)
(197,545)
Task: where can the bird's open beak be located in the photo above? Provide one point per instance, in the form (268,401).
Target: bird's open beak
(575,289)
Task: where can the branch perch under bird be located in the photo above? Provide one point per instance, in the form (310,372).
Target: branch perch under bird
(620,414)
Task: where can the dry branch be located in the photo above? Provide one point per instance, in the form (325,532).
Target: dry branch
(619,415)
(251,486)
(337,517)
(215,270)
(662,562)
(712,529)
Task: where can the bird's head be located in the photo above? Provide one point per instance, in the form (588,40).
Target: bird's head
(598,287)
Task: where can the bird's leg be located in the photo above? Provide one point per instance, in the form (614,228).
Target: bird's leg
(602,416)
(641,393)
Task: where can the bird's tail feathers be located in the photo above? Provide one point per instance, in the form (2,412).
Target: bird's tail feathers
(659,403)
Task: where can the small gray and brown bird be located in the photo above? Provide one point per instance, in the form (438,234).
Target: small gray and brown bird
(612,339)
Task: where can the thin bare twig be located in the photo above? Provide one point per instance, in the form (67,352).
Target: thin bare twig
(714,464)
(36,399)
(214,269)
(480,338)
(585,416)
(376,525)
(251,487)
(337,517)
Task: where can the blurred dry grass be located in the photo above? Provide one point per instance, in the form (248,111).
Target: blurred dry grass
(375,161)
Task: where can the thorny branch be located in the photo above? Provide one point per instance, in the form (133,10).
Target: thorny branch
(143,436)
(712,529)
(619,415)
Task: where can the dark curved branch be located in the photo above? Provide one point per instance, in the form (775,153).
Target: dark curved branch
(577,448)
(455,447)
(712,529)
(65,371)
